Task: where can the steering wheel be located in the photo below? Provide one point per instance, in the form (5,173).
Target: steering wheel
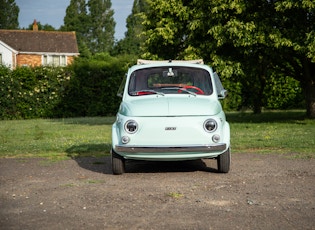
(199,91)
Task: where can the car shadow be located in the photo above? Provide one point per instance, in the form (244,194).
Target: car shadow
(103,165)
(95,164)
(168,166)
(96,158)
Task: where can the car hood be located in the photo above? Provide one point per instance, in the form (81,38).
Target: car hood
(170,106)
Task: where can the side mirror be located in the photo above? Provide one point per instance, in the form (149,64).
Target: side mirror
(223,93)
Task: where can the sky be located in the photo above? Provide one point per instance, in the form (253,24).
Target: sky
(52,12)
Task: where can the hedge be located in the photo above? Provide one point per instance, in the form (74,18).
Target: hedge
(93,89)
(86,88)
(89,88)
(31,92)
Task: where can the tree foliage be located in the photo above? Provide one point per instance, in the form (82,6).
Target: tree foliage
(246,41)
(76,19)
(94,25)
(295,39)
(131,44)
(9,13)
(102,26)
(166,29)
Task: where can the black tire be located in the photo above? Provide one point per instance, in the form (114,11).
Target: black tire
(118,164)
(224,161)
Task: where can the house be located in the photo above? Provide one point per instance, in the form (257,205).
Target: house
(35,48)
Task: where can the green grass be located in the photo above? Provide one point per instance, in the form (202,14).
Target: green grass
(56,138)
(279,132)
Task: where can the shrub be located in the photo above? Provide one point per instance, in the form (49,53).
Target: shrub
(87,88)
(283,93)
(93,89)
(31,92)
(9,88)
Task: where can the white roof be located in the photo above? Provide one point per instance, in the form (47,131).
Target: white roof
(143,62)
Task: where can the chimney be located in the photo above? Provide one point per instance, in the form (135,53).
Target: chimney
(35,26)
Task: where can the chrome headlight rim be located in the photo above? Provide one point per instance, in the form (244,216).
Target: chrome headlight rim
(210,123)
(128,126)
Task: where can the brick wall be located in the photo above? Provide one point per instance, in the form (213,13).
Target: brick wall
(70,60)
(29,60)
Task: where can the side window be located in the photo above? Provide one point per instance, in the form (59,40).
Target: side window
(121,89)
(221,92)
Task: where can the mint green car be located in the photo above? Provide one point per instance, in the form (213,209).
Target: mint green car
(170,111)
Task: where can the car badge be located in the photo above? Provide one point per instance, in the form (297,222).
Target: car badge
(170,128)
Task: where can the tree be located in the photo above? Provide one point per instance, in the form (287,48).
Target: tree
(101,26)
(76,19)
(94,25)
(165,27)
(133,37)
(294,36)
(9,13)
(245,40)
(238,32)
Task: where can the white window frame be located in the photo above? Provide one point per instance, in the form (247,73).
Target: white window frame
(54,60)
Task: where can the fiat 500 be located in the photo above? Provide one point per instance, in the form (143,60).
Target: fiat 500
(170,111)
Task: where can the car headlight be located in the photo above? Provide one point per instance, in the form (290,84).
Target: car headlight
(210,125)
(131,126)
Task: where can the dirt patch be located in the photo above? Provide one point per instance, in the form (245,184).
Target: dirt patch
(260,192)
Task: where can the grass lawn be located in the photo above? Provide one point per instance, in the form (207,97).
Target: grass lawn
(56,138)
(283,132)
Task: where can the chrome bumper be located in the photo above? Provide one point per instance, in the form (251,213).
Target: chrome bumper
(173,149)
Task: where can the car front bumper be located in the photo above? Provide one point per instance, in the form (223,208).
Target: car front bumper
(170,149)
(167,153)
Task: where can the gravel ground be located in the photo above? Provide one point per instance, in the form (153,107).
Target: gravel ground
(260,192)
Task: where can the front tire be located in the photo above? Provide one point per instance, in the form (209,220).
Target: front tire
(224,161)
(118,163)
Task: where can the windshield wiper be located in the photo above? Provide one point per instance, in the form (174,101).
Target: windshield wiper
(146,92)
(181,89)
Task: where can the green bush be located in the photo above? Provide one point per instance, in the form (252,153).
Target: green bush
(283,93)
(31,92)
(93,89)
(87,88)
(233,100)
(9,88)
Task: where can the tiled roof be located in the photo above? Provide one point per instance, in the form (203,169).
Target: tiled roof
(40,41)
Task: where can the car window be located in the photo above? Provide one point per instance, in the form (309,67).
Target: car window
(218,83)
(120,91)
(170,80)
(221,92)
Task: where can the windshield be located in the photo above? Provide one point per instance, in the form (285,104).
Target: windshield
(170,80)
